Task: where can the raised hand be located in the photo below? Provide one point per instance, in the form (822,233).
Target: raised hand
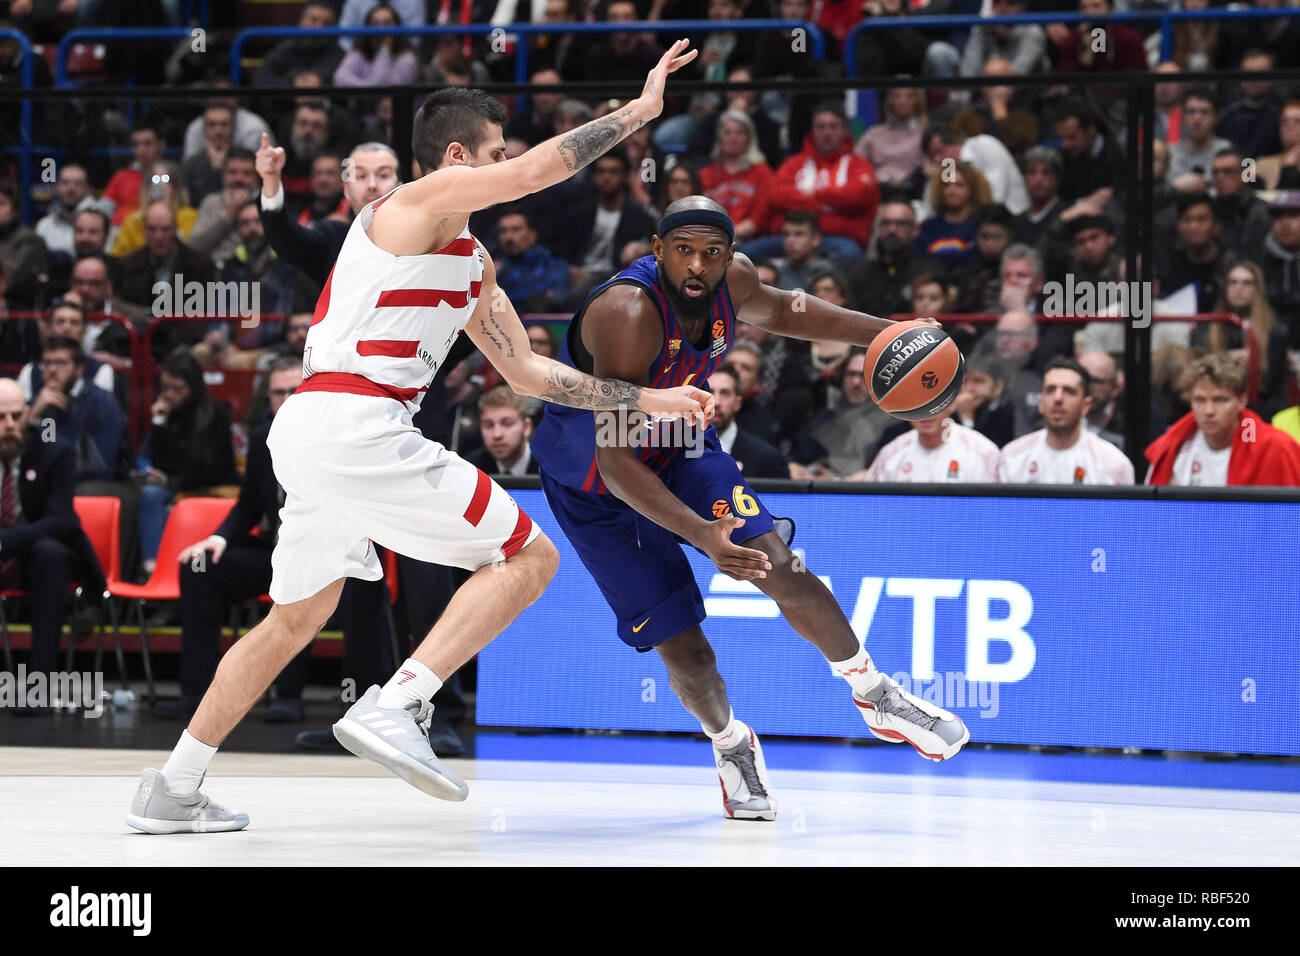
(672,61)
(269,163)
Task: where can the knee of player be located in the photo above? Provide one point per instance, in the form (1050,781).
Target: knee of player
(545,559)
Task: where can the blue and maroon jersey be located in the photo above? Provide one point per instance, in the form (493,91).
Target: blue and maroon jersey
(565,442)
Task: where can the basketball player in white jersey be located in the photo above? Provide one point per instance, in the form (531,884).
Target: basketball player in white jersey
(935,449)
(355,470)
(1064,452)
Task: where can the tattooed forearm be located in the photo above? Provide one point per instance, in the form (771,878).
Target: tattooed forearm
(500,338)
(592,140)
(567,386)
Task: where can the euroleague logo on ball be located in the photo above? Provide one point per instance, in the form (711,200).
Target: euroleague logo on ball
(929,380)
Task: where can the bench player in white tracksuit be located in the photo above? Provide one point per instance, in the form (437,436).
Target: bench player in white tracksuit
(932,450)
(1064,452)
(356,471)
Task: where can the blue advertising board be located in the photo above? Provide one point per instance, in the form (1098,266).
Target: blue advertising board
(1157,624)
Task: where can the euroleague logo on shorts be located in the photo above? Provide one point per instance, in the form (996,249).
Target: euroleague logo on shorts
(721,508)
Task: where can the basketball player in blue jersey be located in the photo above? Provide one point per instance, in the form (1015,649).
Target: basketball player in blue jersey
(668,319)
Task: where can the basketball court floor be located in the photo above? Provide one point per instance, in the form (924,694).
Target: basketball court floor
(572,799)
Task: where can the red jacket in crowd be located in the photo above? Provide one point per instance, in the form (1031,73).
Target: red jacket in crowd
(1273,458)
(744,194)
(842,190)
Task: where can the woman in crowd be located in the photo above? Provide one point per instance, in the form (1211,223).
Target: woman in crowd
(739,176)
(1243,295)
(163,183)
(894,144)
(189,449)
(957,193)
(379,60)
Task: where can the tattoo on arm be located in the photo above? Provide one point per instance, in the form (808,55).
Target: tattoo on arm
(594,139)
(567,386)
(497,334)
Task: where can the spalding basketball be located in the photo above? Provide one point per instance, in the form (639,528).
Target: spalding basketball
(913,370)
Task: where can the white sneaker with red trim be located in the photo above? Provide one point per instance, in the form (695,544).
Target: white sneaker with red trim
(894,715)
(746,793)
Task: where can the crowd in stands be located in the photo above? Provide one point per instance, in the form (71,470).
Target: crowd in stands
(965,202)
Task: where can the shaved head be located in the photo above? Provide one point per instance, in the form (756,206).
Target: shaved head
(682,208)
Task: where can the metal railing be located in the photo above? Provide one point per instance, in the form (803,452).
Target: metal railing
(1167,20)
(682,27)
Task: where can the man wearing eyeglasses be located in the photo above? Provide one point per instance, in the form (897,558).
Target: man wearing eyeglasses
(1191,158)
(68,408)
(1243,217)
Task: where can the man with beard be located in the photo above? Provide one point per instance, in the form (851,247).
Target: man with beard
(79,412)
(1064,452)
(628,497)
(215,233)
(1093,167)
(42,546)
(320,54)
(71,196)
(309,134)
(879,279)
(283,291)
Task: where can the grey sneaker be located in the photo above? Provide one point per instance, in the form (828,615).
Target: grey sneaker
(896,716)
(154,810)
(746,794)
(398,741)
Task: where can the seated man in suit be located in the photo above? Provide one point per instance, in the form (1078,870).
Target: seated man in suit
(755,457)
(506,430)
(42,546)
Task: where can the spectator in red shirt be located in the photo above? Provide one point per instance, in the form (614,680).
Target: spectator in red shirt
(122,193)
(1220,441)
(1077,51)
(827,177)
(739,177)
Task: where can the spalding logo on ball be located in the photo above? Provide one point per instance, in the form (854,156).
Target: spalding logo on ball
(913,370)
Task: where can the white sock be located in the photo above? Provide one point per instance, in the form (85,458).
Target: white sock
(730,735)
(185,768)
(859,672)
(412,682)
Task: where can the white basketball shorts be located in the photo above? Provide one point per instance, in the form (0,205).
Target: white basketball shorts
(356,471)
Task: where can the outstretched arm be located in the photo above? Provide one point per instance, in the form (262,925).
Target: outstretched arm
(496,330)
(453,189)
(800,315)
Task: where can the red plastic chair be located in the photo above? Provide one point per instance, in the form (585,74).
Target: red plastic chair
(101,520)
(191,520)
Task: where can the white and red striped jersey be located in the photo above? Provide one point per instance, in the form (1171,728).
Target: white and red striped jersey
(384,323)
(1029,460)
(965,455)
